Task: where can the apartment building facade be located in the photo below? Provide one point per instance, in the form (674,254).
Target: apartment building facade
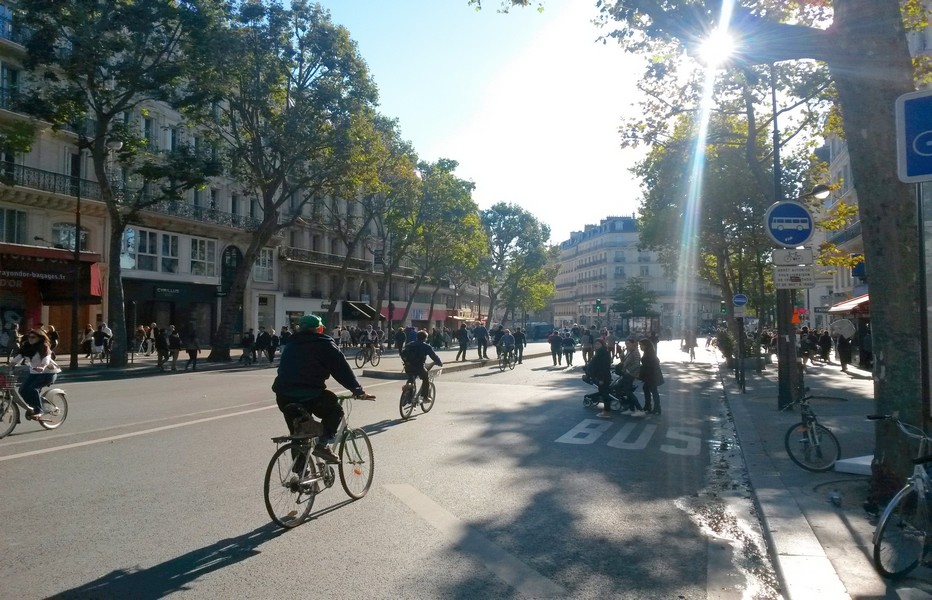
(598,261)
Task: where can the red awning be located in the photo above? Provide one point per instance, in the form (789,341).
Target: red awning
(852,305)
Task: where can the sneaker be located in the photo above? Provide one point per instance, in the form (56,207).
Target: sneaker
(326,454)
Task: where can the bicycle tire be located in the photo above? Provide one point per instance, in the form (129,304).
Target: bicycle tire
(357,463)
(54,410)
(428,403)
(9,413)
(360,359)
(502,363)
(287,500)
(406,402)
(376,359)
(901,534)
(512,361)
(816,459)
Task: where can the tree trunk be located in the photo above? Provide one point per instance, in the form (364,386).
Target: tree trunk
(874,69)
(232,303)
(417,286)
(116,313)
(433,299)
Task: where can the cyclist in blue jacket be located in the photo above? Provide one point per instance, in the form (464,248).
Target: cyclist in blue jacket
(415,356)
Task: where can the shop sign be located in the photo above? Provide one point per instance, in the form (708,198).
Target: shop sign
(167,292)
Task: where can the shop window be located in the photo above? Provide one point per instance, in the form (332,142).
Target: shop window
(203,257)
(12,226)
(645,271)
(63,236)
(263,269)
(169,261)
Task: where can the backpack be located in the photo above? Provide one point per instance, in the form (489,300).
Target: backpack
(405,352)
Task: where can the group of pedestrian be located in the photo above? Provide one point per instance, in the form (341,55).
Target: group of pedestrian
(266,343)
(639,361)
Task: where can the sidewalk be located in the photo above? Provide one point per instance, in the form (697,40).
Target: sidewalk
(819,550)
(389,367)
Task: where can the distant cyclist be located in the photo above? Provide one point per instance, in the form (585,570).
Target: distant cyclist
(506,343)
(308,360)
(415,356)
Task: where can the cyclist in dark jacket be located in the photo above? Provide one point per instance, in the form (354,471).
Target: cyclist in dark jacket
(415,356)
(308,360)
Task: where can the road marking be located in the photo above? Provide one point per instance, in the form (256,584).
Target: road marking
(129,435)
(143,432)
(587,432)
(505,566)
(686,440)
(621,438)
(17,442)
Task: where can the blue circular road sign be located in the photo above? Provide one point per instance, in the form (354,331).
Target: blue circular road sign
(788,223)
(739,299)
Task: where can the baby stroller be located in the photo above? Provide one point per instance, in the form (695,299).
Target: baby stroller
(618,396)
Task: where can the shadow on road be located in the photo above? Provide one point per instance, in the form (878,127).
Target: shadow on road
(174,575)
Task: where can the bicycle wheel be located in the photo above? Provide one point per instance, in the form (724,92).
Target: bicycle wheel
(376,358)
(357,463)
(512,361)
(361,358)
(289,501)
(9,413)
(815,450)
(54,410)
(406,402)
(901,534)
(428,404)
(502,362)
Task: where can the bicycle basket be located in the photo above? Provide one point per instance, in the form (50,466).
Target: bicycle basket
(7,381)
(434,373)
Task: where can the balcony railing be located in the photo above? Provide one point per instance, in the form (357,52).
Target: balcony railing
(56,183)
(322,258)
(846,235)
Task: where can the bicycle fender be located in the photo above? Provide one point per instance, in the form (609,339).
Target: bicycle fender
(55,392)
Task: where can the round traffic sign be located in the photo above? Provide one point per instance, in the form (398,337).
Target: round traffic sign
(788,223)
(739,299)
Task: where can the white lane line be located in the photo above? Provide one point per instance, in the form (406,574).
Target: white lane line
(143,432)
(129,435)
(506,567)
(32,440)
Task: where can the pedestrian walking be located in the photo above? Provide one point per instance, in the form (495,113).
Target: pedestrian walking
(161,348)
(274,343)
(284,336)
(481,335)
(520,343)
(462,336)
(651,376)
(174,346)
(263,342)
(556,347)
(193,347)
(586,342)
(843,350)
(569,348)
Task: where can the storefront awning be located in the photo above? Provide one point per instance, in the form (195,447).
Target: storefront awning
(360,311)
(54,271)
(860,304)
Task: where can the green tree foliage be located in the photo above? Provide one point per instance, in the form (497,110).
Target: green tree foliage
(91,63)
(517,248)
(450,236)
(635,299)
(292,112)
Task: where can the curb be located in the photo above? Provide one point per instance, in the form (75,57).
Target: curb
(800,561)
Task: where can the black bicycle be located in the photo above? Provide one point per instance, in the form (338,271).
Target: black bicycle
(809,443)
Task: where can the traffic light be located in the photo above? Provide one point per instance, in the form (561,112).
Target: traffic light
(723,306)
(598,305)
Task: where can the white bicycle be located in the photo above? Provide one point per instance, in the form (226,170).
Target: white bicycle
(54,404)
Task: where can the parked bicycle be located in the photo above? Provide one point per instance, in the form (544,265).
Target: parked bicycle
(54,404)
(411,397)
(809,443)
(368,354)
(902,535)
(295,476)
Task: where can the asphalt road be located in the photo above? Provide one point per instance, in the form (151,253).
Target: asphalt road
(509,488)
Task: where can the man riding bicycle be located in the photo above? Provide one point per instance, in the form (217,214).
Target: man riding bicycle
(308,360)
(415,356)
(506,344)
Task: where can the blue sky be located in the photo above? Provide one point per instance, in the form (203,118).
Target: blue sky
(528,103)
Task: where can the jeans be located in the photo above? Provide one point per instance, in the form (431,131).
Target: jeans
(192,360)
(462,350)
(557,354)
(651,397)
(30,387)
(482,345)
